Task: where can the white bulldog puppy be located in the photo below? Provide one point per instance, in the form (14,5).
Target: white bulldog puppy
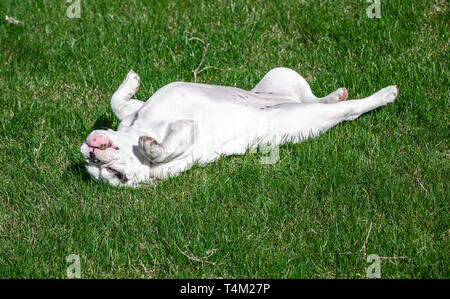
(184,123)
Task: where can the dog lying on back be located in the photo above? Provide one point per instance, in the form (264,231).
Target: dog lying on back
(184,123)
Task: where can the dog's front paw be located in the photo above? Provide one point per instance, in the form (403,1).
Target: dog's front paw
(150,148)
(131,83)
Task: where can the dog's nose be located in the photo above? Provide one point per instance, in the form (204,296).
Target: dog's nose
(98,140)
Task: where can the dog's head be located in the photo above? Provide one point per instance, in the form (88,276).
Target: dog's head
(114,157)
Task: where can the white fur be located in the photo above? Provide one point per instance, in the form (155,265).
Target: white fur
(183,123)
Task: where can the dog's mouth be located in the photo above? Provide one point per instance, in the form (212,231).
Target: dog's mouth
(92,159)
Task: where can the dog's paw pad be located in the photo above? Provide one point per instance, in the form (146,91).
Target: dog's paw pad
(395,91)
(149,147)
(339,95)
(131,83)
(343,94)
(389,94)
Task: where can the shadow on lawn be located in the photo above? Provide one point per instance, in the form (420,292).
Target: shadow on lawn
(78,170)
(104,122)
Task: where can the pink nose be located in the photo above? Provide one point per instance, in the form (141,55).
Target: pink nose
(99,141)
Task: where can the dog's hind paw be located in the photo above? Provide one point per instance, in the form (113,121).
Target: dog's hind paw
(343,94)
(388,94)
(339,95)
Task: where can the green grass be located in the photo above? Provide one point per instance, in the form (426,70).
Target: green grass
(307,216)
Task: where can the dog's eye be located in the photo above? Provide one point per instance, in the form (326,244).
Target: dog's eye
(123,178)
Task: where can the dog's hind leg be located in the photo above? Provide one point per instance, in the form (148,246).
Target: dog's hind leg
(286,82)
(121,102)
(300,121)
(179,140)
(381,98)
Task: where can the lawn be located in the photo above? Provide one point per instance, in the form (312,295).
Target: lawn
(376,185)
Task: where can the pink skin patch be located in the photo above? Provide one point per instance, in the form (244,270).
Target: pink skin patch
(99,142)
(344,95)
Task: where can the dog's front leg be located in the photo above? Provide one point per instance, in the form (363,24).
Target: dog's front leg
(180,139)
(121,102)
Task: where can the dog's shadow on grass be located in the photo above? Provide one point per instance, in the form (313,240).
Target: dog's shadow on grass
(104,122)
(77,168)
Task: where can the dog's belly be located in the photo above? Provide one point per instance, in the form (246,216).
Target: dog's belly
(189,96)
(228,118)
(241,97)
